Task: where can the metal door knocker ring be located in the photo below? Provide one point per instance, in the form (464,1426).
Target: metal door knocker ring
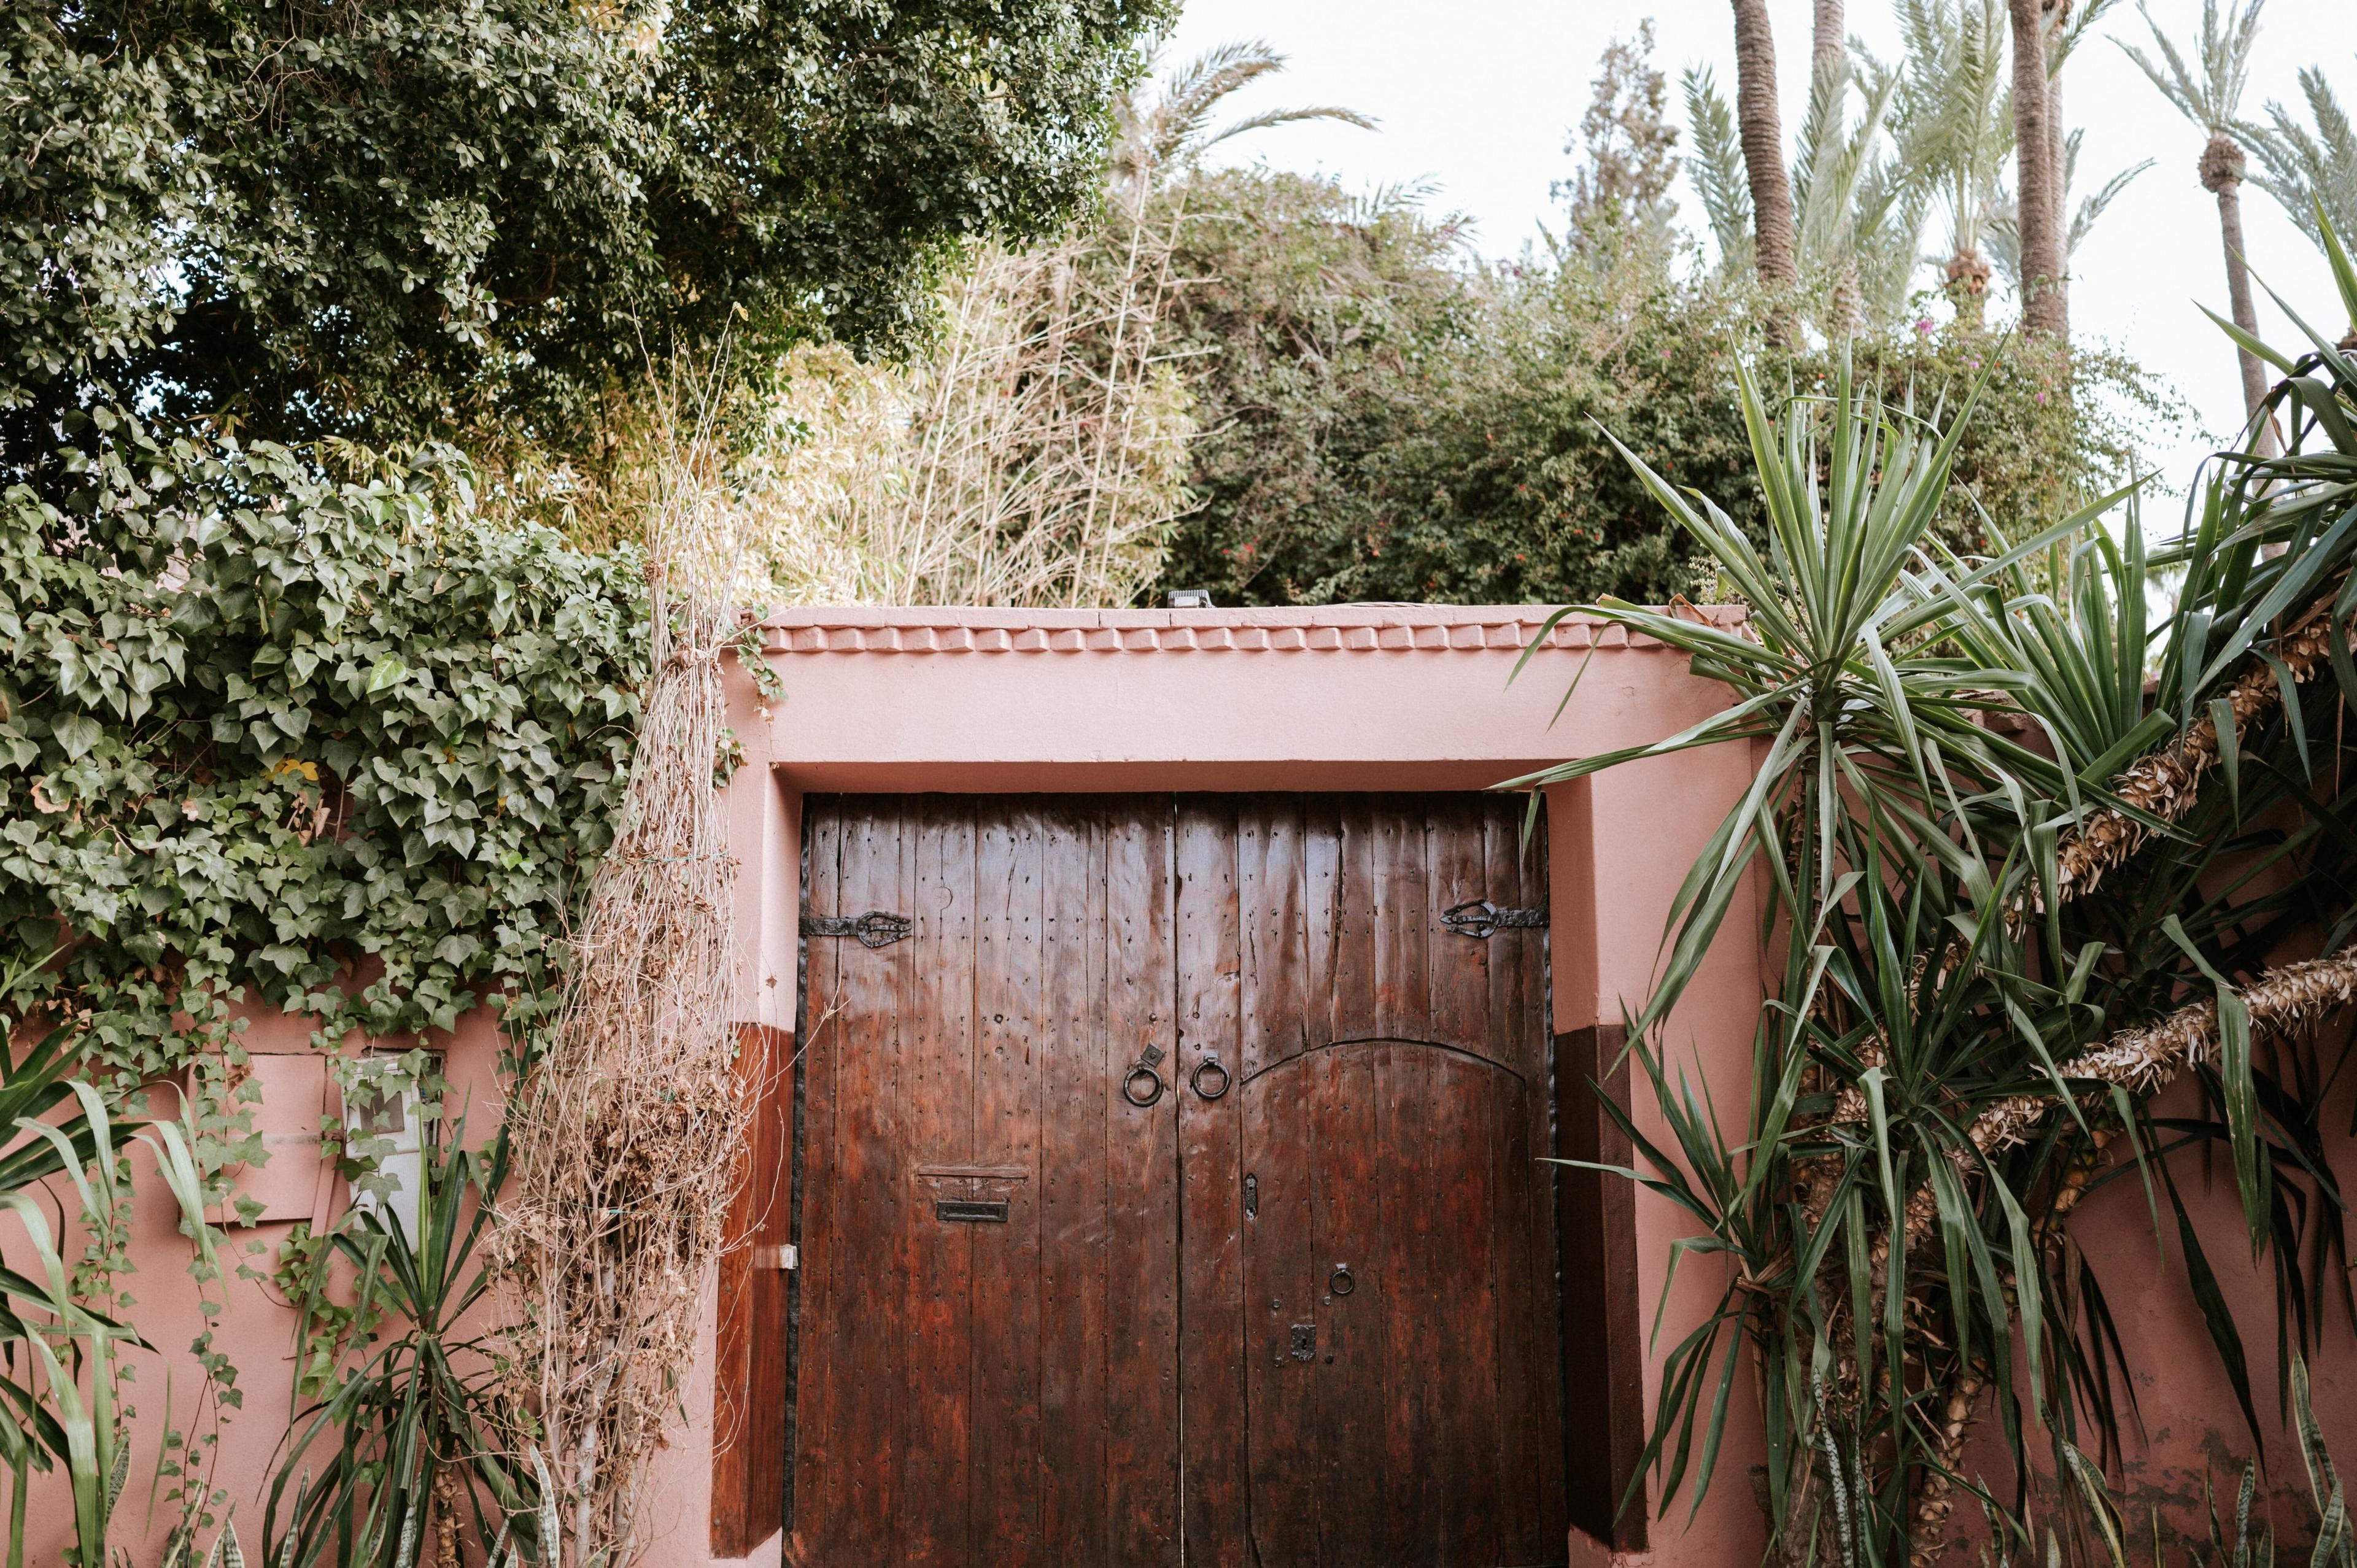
(1143,1087)
(1210,1063)
(1340,1283)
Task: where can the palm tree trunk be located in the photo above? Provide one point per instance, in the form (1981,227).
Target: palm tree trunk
(2044,308)
(2058,147)
(1763,143)
(2221,173)
(1827,40)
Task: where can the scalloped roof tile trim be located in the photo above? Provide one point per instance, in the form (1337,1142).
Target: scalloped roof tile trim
(1360,628)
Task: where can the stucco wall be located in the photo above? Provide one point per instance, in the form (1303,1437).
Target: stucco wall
(1371,697)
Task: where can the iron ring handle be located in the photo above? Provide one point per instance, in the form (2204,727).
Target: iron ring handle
(1341,1283)
(1141,1098)
(1210,1063)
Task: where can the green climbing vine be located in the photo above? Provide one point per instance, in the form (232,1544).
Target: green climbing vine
(335,744)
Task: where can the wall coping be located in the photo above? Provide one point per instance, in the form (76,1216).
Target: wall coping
(1336,628)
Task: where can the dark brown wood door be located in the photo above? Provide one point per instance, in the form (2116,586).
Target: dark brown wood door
(988,1319)
(1326,1236)
(1371,1323)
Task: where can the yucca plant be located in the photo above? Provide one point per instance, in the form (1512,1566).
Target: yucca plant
(408,1438)
(1999,864)
(61,1352)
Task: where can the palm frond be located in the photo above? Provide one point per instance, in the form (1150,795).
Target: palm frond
(2309,167)
(1717,165)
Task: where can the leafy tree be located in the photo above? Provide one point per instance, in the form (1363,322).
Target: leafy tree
(1629,149)
(1381,419)
(2208,92)
(487,215)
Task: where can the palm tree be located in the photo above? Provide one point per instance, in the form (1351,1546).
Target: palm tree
(1859,201)
(2211,96)
(2307,169)
(2067,26)
(1159,132)
(2045,307)
(1953,108)
(2005,220)
(1828,41)
(1717,168)
(1763,145)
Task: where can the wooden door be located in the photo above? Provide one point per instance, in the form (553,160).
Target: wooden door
(1326,1234)
(1371,1334)
(987,1326)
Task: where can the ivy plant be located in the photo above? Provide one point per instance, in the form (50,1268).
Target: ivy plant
(334,745)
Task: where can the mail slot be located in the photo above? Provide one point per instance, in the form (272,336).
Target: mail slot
(972,1211)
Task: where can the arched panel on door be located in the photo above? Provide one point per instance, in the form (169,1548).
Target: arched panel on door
(1388,1266)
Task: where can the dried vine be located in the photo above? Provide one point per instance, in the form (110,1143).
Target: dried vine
(625,1127)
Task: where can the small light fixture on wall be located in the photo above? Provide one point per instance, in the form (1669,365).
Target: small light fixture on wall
(1190,600)
(384,1110)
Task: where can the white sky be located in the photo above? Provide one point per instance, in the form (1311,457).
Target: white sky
(1477,96)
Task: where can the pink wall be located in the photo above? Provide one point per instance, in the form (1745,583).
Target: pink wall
(1348,698)
(1370,697)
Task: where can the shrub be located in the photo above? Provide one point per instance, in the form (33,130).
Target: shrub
(1382,419)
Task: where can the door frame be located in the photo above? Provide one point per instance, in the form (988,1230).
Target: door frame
(1342,699)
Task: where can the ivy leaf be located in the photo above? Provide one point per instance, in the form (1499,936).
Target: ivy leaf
(385,672)
(76,733)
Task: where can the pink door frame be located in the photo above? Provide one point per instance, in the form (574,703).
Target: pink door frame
(1347,698)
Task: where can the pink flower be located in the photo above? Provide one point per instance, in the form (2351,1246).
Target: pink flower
(1923,326)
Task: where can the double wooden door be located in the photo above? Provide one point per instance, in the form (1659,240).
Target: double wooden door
(1167,1187)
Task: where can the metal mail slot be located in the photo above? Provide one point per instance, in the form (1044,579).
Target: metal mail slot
(972,1211)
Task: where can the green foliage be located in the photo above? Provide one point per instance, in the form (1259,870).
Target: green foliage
(2311,169)
(338,747)
(383,221)
(62,1337)
(1991,849)
(408,1424)
(1381,421)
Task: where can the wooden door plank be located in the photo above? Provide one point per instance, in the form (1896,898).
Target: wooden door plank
(1074,1197)
(1144,1290)
(1351,1014)
(1411,1501)
(937,1102)
(1349,1228)
(1404,918)
(1275,934)
(1005,1313)
(869,1268)
(815,1501)
(1321,867)
(1283,1375)
(1214,1342)
(1531,1009)
(1462,966)
(1469,1099)
(1527,1362)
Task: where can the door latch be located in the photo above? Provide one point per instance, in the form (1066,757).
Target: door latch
(876,929)
(1478,918)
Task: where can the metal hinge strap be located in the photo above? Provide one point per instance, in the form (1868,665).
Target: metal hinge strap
(1478,918)
(876,929)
